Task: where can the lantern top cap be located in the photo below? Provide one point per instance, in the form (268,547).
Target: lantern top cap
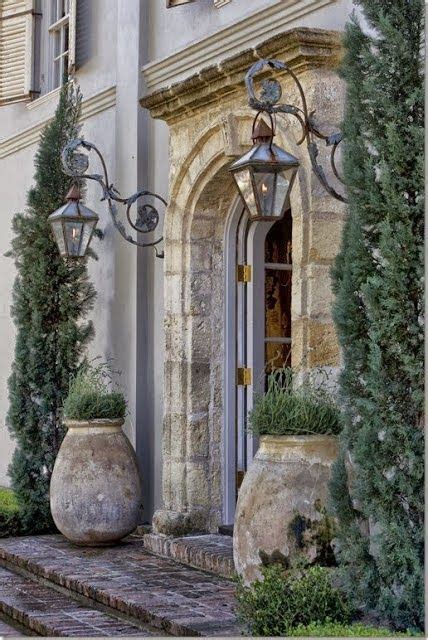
(264,155)
(73,193)
(262,132)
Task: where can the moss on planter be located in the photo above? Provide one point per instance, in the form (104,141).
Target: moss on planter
(315,533)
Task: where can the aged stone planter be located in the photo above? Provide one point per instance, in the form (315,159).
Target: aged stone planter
(280,510)
(95,490)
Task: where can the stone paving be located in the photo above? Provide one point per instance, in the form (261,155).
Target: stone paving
(210,552)
(151,589)
(47,612)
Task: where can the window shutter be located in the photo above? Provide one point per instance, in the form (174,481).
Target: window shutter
(16,50)
(72,36)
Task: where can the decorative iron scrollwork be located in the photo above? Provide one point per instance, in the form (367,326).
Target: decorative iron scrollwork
(269,102)
(75,164)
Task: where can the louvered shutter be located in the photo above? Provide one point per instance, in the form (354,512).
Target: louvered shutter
(16,49)
(72,36)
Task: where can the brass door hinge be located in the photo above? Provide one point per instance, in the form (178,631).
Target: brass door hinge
(244,273)
(243,376)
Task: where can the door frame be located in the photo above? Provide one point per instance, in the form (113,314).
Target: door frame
(255,330)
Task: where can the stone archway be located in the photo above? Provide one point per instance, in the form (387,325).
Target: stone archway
(210,125)
(194,347)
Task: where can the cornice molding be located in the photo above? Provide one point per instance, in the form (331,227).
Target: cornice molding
(227,42)
(90,107)
(302,49)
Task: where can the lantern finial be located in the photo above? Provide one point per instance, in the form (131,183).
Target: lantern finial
(262,132)
(73,193)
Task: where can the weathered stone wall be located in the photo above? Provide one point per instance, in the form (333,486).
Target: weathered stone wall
(210,125)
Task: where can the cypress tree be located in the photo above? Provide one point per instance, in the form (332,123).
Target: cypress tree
(51,297)
(377,484)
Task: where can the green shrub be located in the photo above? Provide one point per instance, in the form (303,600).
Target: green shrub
(337,630)
(285,599)
(90,396)
(8,501)
(288,409)
(10,523)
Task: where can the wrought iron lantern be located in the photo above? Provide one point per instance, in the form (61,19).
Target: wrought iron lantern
(265,174)
(73,224)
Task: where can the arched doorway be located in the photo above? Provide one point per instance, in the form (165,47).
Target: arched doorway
(258,288)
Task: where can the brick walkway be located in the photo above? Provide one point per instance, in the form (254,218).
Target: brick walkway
(46,612)
(171,597)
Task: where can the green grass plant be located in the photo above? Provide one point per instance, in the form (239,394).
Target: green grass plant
(288,408)
(92,394)
(339,630)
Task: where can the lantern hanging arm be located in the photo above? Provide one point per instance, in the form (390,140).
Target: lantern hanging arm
(75,165)
(268,103)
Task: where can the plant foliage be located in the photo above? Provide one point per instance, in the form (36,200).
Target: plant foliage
(51,299)
(378,281)
(339,630)
(90,396)
(290,409)
(285,599)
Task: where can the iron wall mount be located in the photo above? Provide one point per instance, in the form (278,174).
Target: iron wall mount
(268,103)
(75,165)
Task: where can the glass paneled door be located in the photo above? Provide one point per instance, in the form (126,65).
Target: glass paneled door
(258,330)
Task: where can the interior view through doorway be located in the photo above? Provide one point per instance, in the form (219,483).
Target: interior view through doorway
(258,330)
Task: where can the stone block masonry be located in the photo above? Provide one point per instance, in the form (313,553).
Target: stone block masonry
(210,125)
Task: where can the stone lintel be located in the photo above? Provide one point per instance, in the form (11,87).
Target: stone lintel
(302,48)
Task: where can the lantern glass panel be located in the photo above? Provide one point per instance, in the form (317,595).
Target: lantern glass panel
(59,236)
(272,191)
(73,236)
(265,186)
(284,181)
(245,185)
(86,236)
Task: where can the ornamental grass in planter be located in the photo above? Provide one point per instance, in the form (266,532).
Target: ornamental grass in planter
(281,508)
(95,491)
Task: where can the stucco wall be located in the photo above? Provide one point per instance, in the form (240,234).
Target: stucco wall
(109,80)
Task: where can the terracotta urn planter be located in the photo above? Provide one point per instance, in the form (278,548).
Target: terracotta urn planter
(280,511)
(95,491)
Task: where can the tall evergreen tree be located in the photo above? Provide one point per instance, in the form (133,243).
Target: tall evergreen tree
(377,485)
(51,297)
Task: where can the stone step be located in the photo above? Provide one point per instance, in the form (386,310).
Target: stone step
(209,552)
(127,578)
(46,612)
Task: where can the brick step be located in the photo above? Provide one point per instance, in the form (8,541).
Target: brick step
(11,629)
(128,579)
(44,611)
(209,552)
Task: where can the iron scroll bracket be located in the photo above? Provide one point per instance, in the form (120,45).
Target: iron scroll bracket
(269,102)
(75,164)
